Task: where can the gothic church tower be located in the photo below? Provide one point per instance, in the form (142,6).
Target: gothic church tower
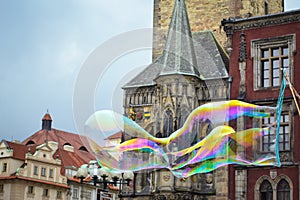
(191,70)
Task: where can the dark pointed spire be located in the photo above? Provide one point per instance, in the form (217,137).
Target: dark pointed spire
(179,54)
(46,122)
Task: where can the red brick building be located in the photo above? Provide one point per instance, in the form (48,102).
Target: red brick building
(259,48)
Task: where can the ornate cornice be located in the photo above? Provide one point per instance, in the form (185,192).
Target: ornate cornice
(232,24)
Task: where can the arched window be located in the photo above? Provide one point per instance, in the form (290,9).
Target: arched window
(168,123)
(83,148)
(266,191)
(30,142)
(283,190)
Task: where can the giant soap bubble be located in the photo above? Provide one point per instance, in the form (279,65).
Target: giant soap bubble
(182,152)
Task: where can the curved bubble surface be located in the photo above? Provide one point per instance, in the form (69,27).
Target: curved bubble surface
(183,152)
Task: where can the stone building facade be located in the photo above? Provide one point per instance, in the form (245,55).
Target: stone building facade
(191,71)
(207,15)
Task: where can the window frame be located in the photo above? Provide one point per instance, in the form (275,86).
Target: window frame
(51,171)
(258,45)
(286,124)
(30,189)
(286,192)
(168,122)
(35,170)
(4,167)
(59,194)
(43,171)
(45,192)
(267,192)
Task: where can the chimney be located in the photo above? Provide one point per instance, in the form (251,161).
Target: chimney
(46,122)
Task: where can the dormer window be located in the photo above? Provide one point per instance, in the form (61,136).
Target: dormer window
(83,148)
(30,142)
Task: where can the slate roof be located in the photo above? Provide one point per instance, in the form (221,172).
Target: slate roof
(198,54)
(212,62)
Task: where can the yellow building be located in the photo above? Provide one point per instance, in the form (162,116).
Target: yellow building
(44,166)
(30,173)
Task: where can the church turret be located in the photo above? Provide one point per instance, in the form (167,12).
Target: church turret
(46,122)
(179,53)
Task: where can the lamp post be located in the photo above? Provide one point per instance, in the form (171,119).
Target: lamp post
(102,177)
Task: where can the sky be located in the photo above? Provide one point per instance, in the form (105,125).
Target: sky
(45,47)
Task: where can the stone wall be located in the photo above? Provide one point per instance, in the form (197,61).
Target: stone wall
(207,15)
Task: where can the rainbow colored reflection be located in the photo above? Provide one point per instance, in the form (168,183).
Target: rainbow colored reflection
(183,152)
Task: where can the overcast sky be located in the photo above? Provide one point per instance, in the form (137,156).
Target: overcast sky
(43,46)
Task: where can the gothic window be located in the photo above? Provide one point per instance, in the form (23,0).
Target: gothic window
(266,191)
(283,190)
(284,137)
(182,117)
(270,57)
(168,123)
(205,128)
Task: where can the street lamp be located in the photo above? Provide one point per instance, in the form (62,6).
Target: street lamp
(106,178)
